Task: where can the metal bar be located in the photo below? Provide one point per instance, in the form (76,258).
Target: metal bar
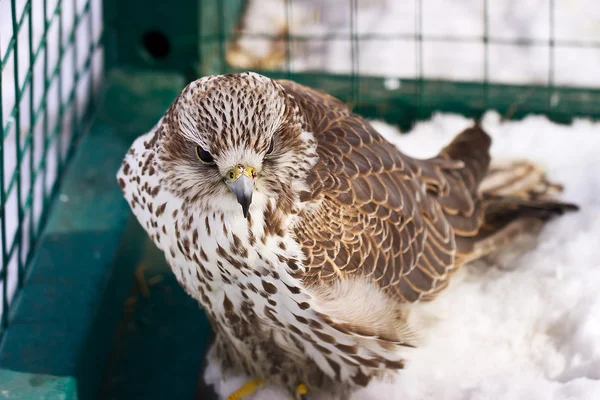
(486,54)
(526,42)
(551,45)
(288,50)
(17,174)
(31,136)
(44,42)
(61,50)
(91,97)
(418,37)
(354,51)
(4,270)
(222,48)
(74,110)
(16,29)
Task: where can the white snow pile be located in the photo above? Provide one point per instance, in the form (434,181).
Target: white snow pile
(527,328)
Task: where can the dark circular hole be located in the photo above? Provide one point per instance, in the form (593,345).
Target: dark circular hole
(156,44)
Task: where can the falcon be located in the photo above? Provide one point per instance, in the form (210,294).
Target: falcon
(306,236)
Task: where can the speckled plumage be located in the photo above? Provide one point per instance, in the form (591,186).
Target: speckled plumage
(344,231)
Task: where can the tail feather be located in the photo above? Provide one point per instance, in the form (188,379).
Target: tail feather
(521,202)
(519,189)
(518,178)
(516,196)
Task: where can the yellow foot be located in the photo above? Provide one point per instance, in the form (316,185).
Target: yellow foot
(246,390)
(301,392)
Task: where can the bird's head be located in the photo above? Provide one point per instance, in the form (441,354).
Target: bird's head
(235,141)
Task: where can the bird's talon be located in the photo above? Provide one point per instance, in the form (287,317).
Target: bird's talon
(246,390)
(301,392)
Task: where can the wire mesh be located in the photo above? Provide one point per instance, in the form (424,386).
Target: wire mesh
(51,61)
(543,43)
(383,23)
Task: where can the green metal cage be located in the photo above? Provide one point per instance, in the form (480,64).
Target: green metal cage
(89,308)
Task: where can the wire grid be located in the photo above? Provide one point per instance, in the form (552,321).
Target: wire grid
(546,43)
(51,62)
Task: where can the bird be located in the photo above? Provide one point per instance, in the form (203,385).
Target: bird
(305,236)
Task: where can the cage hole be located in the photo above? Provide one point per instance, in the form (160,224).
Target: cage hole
(156,44)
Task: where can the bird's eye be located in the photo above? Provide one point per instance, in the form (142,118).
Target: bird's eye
(270,149)
(203,155)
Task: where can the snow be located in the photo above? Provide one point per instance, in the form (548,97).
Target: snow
(526,325)
(519,33)
(8,103)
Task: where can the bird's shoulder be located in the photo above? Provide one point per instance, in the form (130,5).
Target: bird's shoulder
(138,178)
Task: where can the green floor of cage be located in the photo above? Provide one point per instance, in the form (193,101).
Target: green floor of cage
(161,341)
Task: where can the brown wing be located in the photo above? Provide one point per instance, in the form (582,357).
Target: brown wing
(402,222)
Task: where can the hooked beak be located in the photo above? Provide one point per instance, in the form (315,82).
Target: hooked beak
(240,180)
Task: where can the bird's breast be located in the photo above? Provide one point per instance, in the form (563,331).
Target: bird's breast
(220,260)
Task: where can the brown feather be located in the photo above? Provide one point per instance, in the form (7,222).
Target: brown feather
(404,223)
